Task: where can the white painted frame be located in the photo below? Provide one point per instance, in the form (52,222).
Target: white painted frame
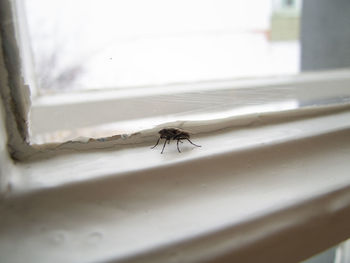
(264,187)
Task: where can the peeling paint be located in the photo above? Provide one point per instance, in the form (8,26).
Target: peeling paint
(197,128)
(14,93)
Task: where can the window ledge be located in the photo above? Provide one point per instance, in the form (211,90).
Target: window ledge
(273,193)
(59,118)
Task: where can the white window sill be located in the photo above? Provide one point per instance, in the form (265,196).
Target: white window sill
(131,110)
(272,193)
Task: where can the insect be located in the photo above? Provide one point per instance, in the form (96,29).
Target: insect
(173,134)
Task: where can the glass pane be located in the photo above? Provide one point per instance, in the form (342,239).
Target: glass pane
(95,44)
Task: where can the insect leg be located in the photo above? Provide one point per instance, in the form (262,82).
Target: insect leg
(156,143)
(178,145)
(193,143)
(164,145)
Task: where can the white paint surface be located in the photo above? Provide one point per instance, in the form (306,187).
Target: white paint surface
(274,192)
(243,189)
(60,118)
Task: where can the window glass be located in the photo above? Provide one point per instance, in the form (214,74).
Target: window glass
(98,44)
(150,59)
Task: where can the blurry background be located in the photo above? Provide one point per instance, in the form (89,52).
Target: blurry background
(95,44)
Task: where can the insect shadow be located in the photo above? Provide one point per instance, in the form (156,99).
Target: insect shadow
(175,134)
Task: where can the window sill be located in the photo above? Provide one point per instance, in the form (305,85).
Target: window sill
(272,193)
(59,118)
(278,192)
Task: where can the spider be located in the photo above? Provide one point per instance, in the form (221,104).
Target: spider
(173,134)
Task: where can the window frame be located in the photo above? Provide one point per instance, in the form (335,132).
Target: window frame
(25,189)
(18,108)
